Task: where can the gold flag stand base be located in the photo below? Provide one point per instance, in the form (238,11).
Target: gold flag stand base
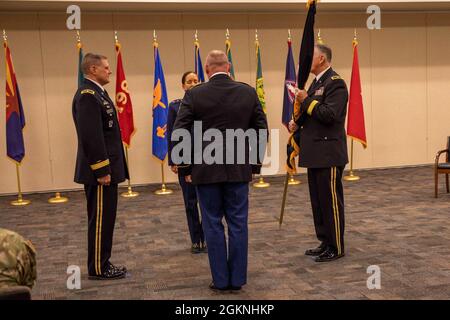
(292,181)
(163,190)
(351,177)
(261,183)
(58,199)
(130,193)
(20,202)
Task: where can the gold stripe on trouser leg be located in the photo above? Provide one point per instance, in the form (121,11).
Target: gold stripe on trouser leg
(335,209)
(97,215)
(100,231)
(337,212)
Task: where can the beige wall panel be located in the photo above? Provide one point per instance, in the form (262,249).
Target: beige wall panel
(399,91)
(337,31)
(24,42)
(438,46)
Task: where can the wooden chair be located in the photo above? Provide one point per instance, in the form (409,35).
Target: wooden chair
(443,167)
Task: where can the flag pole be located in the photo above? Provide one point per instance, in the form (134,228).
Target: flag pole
(351,176)
(283,204)
(163,190)
(130,193)
(292,181)
(261,183)
(20,201)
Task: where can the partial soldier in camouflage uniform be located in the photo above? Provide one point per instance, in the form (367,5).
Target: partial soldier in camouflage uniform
(17,260)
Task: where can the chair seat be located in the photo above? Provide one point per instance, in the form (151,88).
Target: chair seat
(445,165)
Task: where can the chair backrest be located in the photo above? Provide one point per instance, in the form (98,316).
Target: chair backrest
(15,293)
(448,148)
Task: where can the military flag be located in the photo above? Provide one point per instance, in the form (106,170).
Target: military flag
(160,104)
(123,101)
(355,121)
(305,62)
(198,60)
(15,117)
(289,86)
(228,52)
(259,76)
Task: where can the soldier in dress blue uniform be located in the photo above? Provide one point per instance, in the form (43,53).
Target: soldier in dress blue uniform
(188,80)
(100,164)
(323,151)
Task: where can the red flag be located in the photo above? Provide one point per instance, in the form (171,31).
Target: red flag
(355,121)
(123,101)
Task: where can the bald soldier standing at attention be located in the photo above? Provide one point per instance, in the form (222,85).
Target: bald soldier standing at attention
(100,165)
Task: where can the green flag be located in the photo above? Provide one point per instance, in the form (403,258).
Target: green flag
(259,78)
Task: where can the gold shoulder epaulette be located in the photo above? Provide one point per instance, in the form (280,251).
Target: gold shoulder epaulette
(335,78)
(87,91)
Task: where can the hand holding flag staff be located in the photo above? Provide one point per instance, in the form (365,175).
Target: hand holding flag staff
(355,121)
(305,62)
(15,121)
(124,109)
(160,111)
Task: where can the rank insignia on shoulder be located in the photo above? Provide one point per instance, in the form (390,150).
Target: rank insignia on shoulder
(87,91)
(335,78)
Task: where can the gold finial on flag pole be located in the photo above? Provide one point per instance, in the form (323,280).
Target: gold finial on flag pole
(196,36)
(319,38)
(155,38)
(116,39)
(289,35)
(5,38)
(227,35)
(256,35)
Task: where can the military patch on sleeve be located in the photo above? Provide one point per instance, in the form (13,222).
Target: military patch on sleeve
(87,91)
(335,78)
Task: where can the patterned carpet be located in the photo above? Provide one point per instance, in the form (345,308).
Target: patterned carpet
(392,221)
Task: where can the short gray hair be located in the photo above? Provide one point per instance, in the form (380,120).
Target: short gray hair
(89,60)
(217,59)
(326,50)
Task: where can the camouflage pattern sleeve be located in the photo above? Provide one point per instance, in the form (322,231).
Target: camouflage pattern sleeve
(17,260)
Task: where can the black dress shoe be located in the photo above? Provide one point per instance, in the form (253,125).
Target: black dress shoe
(316,251)
(120,268)
(203,247)
(213,287)
(196,248)
(110,274)
(233,288)
(329,255)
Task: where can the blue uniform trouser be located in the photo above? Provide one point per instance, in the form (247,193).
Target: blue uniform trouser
(192,214)
(229,200)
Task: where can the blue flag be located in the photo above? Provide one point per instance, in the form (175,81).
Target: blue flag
(15,117)
(289,85)
(160,103)
(198,62)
